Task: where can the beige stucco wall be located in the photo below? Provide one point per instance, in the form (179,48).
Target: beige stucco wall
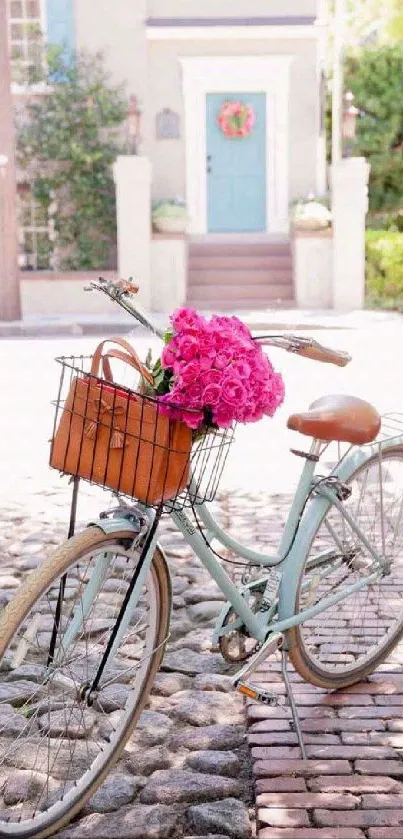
(168,156)
(217,8)
(116,27)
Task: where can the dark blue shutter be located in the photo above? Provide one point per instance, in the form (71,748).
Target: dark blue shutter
(60,23)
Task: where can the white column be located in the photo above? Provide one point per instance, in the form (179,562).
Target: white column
(337,82)
(168,272)
(349,207)
(132,176)
(312,268)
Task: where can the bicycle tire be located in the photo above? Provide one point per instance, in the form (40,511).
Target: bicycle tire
(321,653)
(28,599)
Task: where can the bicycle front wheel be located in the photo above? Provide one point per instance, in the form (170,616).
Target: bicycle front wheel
(56,744)
(348,640)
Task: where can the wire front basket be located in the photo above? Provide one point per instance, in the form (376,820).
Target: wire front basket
(391,428)
(122,440)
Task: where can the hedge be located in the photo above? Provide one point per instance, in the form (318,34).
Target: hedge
(384,269)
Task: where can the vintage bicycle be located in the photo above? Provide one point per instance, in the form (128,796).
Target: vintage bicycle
(96,613)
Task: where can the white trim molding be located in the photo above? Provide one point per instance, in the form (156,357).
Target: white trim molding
(267,74)
(220,33)
(40,87)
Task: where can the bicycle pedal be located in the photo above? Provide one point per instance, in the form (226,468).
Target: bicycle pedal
(268,648)
(258,694)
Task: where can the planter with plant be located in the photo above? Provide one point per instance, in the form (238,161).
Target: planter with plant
(170,216)
(311,213)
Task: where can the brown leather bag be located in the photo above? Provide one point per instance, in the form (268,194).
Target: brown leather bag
(118,438)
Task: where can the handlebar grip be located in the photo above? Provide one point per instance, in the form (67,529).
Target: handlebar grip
(318,353)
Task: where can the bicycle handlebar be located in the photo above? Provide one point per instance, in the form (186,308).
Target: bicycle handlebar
(121,292)
(307,347)
(317,352)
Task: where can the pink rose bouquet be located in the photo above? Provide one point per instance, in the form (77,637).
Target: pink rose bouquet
(212,373)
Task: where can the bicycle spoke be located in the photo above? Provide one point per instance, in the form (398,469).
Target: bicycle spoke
(354,630)
(61,737)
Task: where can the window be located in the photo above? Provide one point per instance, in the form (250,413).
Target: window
(26,41)
(36,233)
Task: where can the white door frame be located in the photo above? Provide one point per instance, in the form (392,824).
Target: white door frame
(267,74)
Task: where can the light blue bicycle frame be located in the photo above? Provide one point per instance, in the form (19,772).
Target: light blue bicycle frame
(293,549)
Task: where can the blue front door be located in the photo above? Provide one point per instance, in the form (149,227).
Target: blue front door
(236,168)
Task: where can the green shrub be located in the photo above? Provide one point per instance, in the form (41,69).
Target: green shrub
(374,75)
(386,221)
(67,143)
(384,269)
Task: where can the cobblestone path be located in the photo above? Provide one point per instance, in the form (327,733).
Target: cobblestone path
(187,771)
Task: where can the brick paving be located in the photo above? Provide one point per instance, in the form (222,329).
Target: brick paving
(351,785)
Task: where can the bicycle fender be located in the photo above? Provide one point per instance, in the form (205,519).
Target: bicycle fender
(311,520)
(114,525)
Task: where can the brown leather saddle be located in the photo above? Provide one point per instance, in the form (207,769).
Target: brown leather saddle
(343,418)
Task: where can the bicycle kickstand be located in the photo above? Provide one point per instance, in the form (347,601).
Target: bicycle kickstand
(291,700)
(243,685)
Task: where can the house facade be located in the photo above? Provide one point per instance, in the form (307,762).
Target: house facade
(184,61)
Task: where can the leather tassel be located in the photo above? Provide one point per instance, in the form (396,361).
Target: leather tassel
(90,429)
(117,439)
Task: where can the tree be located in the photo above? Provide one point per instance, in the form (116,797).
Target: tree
(375,76)
(394,26)
(67,147)
(371,21)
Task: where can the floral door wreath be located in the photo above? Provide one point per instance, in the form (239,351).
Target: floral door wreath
(236,119)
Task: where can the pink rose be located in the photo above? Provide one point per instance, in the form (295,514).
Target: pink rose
(211,395)
(233,391)
(189,372)
(188,347)
(192,418)
(205,363)
(168,357)
(240,327)
(242,369)
(223,417)
(212,376)
(192,395)
(184,319)
(224,358)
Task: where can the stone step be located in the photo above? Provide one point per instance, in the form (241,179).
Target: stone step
(271,291)
(211,261)
(239,277)
(237,248)
(236,274)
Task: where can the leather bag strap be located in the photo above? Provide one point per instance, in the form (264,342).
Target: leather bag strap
(127,359)
(131,358)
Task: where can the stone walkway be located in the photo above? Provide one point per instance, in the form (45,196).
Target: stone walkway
(187,771)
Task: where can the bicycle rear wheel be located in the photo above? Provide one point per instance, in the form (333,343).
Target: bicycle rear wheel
(56,747)
(348,640)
